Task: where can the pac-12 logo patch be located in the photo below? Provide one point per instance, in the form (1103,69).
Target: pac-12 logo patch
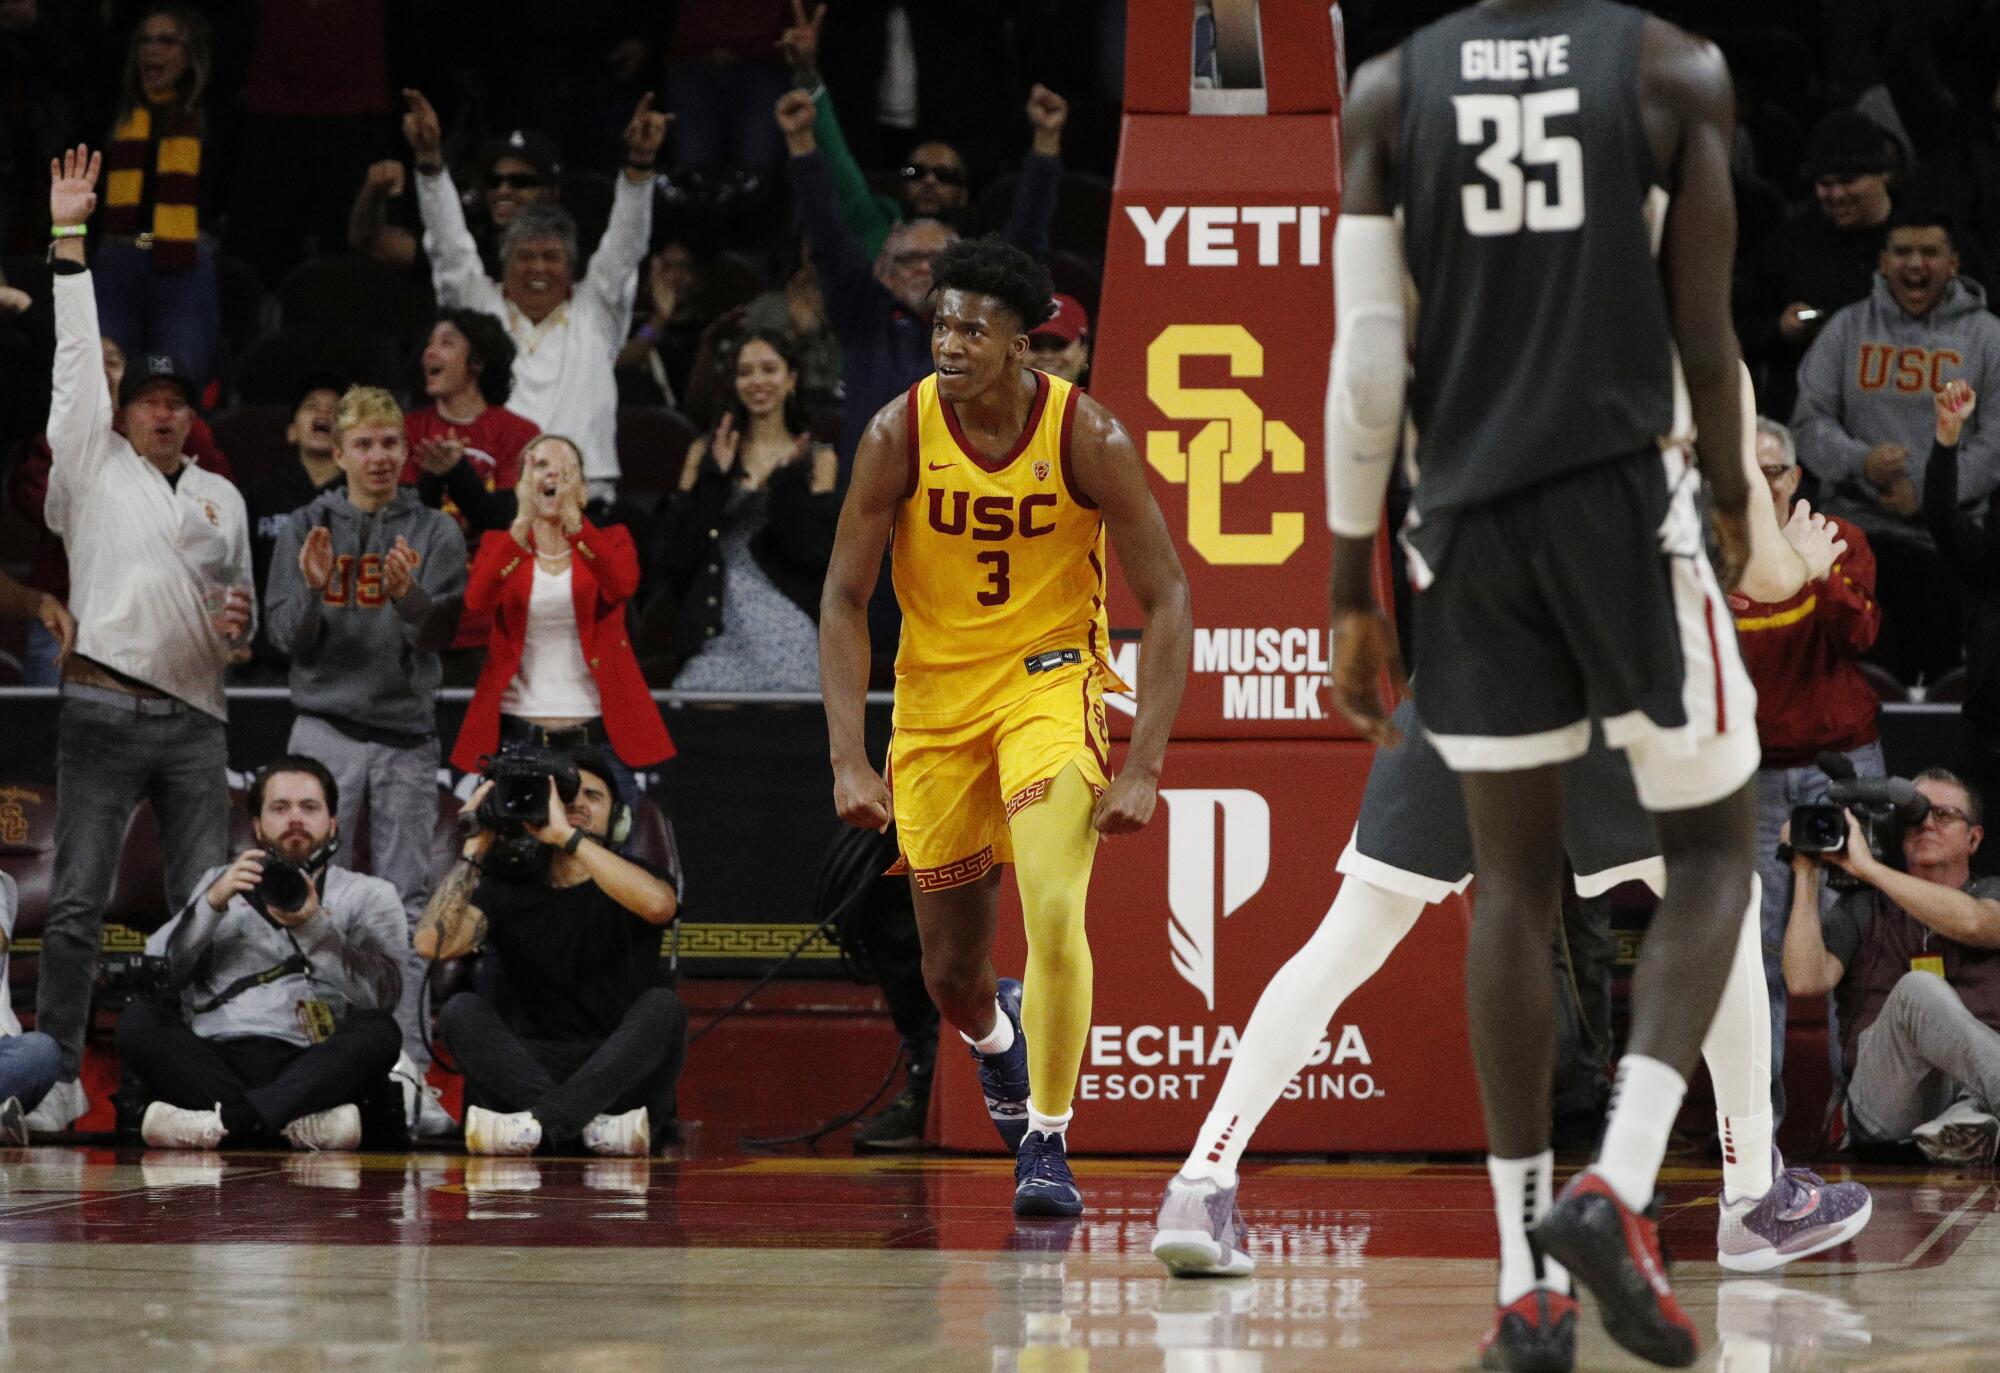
(1041,469)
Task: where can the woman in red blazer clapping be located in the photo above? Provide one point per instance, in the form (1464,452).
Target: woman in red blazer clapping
(559,664)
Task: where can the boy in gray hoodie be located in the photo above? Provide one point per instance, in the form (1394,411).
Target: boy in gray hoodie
(1864,420)
(364,589)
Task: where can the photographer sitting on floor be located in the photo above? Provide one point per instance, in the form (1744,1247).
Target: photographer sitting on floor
(1913,960)
(587,1045)
(288,972)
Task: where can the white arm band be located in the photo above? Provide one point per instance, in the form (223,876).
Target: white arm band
(1364,392)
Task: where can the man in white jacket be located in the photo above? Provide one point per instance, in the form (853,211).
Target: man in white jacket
(159,556)
(567,333)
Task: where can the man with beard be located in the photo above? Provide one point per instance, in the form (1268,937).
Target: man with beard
(1864,423)
(283,1024)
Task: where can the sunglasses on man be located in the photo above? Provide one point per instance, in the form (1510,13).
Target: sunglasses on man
(517,181)
(942,173)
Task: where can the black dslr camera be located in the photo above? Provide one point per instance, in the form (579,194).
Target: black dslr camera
(1883,806)
(285,886)
(520,774)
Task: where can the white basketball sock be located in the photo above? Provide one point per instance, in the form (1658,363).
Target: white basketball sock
(1050,1125)
(1644,1101)
(999,1039)
(1738,1052)
(1522,1189)
(1364,923)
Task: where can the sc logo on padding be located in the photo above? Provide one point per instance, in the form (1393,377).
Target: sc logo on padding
(1227,449)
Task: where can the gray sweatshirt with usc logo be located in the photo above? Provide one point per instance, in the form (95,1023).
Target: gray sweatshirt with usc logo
(1868,379)
(357,656)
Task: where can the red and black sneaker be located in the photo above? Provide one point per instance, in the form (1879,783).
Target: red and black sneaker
(1536,1334)
(1615,1252)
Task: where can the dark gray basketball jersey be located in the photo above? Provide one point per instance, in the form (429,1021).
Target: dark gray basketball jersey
(1523,176)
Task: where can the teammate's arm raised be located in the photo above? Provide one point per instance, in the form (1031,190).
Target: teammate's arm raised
(881,476)
(1364,400)
(1687,77)
(1108,472)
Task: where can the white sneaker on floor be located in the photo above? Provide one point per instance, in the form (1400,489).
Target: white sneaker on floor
(175,1127)
(422,1111)
(1962,1135)
(62,1107)
(13,1124)
(494,1132)
(337,1129)
(626,1136)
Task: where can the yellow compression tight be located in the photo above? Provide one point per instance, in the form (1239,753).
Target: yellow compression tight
(1053,848)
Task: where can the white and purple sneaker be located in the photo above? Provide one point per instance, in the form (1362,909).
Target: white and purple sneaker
(1802,1214)
(1199,1232)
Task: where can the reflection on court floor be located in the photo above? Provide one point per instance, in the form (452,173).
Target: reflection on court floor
(330,1261)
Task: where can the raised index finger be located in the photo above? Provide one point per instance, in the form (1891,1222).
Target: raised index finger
(645,104)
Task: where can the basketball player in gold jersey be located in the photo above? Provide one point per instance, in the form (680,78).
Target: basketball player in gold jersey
(999,484)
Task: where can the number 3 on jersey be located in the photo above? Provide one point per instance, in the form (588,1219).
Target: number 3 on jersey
(1513,132)
(998,588)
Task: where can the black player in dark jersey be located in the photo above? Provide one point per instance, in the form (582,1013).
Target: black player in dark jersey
(1540,153)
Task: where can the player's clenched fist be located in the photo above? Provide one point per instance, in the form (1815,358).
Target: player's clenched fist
(862,798)
(1126,806)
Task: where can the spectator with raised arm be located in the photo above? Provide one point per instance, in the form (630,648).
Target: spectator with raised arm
(567,333)
(519,169)
(745,544)
(159,557)
(880,310)
(1970,543)
(1864,423)
(559,670)
(48,569)
(365,589)
(156,268)
(934,182)
(1802,654)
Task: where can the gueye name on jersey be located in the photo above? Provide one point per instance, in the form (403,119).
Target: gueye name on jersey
(1514,59)
(993,517)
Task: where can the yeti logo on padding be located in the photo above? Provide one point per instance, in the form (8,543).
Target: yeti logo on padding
(1191,872)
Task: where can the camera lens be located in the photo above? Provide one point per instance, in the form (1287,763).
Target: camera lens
(284,886)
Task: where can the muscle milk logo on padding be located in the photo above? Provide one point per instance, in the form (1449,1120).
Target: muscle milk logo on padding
(1191,872)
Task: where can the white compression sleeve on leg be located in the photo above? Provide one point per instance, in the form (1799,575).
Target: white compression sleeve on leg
(1364,392)
(1738,1053)
(1364,924)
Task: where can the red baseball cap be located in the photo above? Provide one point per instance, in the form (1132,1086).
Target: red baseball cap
(1068,323)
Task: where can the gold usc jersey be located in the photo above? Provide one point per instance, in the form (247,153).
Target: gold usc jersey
(998,565)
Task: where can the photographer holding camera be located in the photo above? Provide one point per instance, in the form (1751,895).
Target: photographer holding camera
(288,972)
(1913,960)
(581,1042)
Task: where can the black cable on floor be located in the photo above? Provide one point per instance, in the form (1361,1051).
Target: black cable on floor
(819,1132)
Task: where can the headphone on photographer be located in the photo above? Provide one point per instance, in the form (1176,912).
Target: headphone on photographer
(594,760)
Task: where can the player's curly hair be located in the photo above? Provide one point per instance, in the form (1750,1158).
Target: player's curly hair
(990,266)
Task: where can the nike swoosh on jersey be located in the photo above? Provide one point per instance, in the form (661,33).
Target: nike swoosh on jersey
(940,466)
